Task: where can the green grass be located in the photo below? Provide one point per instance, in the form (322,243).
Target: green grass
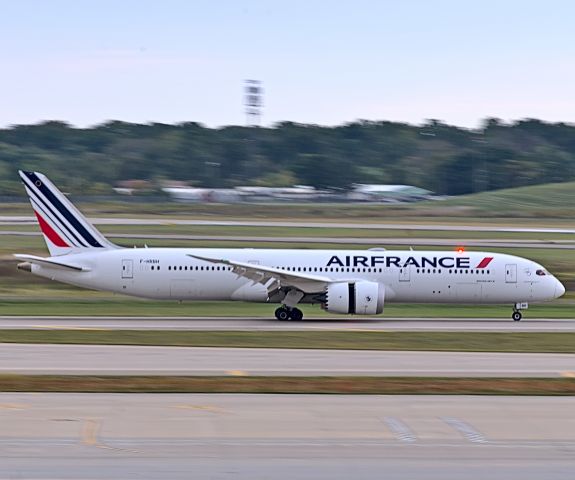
(288,385)
(541,200)
(516,342)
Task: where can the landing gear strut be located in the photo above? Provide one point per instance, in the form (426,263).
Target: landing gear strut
(286,313)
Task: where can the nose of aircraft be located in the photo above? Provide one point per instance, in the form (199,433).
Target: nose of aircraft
(559,289)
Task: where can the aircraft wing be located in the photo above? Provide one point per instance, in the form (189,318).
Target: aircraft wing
(269,276)
(47,262)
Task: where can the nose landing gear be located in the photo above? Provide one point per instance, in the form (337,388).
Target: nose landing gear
(287,313)
(516,315)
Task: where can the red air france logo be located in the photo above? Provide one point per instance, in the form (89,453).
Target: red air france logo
(483,263)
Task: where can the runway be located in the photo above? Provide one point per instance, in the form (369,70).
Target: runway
(104,436)
(138,360)
(267,324)
(30,220)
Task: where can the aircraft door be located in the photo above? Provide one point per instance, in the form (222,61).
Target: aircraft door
(127,269)
(511,273)
(404,273)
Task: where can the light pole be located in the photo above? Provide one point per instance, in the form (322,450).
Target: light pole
(253,102)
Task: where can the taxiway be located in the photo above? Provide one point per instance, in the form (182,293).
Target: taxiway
(139,360)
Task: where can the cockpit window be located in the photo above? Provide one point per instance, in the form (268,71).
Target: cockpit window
(541,272)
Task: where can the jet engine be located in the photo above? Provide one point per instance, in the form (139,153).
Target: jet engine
(363,298)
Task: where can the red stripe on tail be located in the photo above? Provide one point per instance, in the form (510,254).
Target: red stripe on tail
(50,233)
(486,261)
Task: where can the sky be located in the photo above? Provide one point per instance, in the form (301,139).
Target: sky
(326,62)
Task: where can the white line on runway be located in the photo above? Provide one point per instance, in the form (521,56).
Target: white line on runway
(400,430)
(465,429)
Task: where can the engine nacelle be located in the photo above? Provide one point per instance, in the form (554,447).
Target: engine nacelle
(362,298)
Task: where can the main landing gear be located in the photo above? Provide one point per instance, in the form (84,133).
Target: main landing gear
(287,313)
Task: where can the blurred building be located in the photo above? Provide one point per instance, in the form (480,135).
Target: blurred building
(297,192)
(131,187)
(203,195)
(388,193)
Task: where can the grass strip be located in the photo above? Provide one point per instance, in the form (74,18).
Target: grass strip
(288,385)
(518,342)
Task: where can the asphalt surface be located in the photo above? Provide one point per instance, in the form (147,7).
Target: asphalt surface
(267,324)
(138,360)
(103,436)
(437,242)
(29,220)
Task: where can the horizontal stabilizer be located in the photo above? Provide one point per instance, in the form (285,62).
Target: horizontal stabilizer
(48,262)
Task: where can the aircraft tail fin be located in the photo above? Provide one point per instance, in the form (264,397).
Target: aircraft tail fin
(64,228)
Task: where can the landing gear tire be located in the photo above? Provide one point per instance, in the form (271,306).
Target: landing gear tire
(516,316)
(296,314)
(282,313)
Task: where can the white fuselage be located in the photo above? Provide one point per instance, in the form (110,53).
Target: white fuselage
(408,276)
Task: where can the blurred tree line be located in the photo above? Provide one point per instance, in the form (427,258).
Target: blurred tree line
(436,156)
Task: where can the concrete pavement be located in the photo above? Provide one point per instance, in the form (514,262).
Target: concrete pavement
(381,323)
(137,360)
(104,436)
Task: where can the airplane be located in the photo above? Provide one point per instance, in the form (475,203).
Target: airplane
(340,281)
